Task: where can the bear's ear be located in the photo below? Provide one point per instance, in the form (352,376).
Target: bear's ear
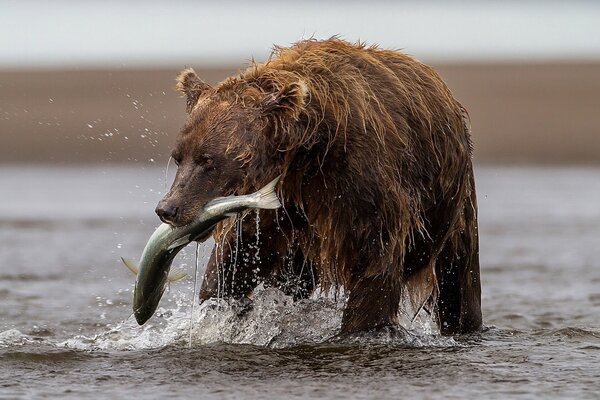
(288,101)
(191,86)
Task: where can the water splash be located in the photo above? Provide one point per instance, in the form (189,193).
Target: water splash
(238,243)
(13,337)
(272,320)
(257,244)
(195,294)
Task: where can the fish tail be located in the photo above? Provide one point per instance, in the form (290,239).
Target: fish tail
(266,197)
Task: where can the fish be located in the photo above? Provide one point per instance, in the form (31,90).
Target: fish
(153,272)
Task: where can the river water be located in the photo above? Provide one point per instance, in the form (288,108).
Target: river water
(66,329)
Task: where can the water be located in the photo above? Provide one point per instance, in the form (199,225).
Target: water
(66,329)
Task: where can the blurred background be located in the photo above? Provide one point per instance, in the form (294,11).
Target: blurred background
(92,81)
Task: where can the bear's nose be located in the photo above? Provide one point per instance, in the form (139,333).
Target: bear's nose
(167,213)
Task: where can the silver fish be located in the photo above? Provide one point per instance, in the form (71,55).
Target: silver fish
(166,241)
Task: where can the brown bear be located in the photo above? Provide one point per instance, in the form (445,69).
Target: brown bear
(377,183)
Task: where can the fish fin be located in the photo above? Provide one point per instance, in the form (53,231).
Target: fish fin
(176,274)
(179,242)
(131,266)
(266,197)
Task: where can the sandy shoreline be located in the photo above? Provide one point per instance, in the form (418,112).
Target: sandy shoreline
(521,113)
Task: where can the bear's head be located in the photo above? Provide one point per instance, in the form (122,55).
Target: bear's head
(232,140)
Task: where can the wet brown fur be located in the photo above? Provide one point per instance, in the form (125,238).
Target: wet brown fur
(377,181)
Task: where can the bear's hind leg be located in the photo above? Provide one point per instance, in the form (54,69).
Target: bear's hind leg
(457,271)
(372,304)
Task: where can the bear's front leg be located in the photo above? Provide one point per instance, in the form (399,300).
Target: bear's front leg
(235,268)
(219,282)
(372,304)
(287,269)
(238,264)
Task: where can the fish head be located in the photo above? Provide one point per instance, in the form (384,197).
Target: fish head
(146,297)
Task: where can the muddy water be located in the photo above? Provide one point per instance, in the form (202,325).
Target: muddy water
(65,303)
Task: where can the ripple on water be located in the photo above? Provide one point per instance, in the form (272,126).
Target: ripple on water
(30,277)
(573,332)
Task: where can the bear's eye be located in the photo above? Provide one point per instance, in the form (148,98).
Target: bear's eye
(206,160)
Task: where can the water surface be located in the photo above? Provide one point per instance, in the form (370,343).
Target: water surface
(66,328)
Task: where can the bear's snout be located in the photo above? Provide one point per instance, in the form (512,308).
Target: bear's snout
(167,213)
